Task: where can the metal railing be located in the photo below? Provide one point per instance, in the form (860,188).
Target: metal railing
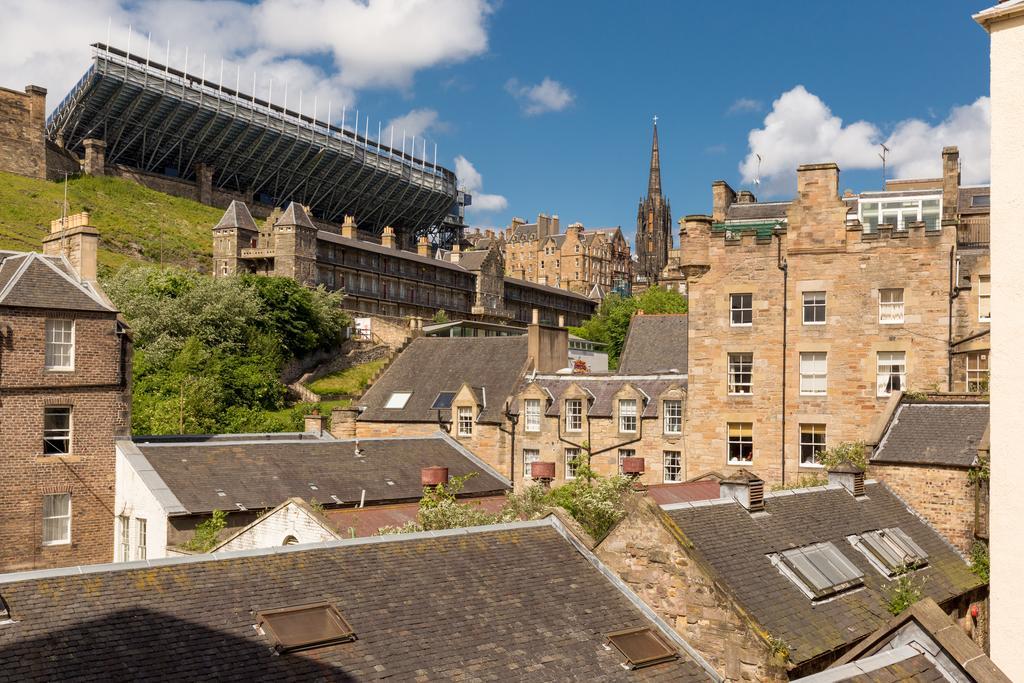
(973,232)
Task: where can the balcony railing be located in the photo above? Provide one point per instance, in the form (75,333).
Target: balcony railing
(972,232)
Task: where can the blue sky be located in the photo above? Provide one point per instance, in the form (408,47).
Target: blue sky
(913,75)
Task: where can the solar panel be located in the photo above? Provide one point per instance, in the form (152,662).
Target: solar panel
(819,570)
(443,400)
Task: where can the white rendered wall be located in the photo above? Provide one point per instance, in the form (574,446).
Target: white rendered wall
(134,499)
(271,530)
(1007,386)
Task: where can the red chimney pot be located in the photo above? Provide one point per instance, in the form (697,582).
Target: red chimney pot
(542,470)
(632,466)
(434,476)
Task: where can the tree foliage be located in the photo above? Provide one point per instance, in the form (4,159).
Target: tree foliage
(209,352)
(853,451)
(611,321)
(205,536)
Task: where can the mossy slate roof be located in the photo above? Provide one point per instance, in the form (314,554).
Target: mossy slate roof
(655,343)
(942,434)
(736,546)
(518,603)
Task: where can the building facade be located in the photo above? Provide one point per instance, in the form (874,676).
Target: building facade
(806,316)
(380,278)
(65,364)
(653,224)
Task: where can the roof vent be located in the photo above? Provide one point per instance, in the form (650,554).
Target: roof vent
(746,488)
(434,476)
(849,476)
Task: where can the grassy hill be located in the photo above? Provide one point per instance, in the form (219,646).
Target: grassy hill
(135,222)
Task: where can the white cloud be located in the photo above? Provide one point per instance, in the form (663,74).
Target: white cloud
(417,122)
(471,181)
(745,104)
(801,129)
(548,95)
(328,47)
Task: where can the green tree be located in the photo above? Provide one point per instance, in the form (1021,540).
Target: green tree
(440,317)
(205,536)
(610,323)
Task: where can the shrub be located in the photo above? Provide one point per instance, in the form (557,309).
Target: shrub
(902,592)
(854,451)
(205,536)
(979,560)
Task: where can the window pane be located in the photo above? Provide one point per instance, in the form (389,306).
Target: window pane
(741,309)
(740,442)
(673,417)
(572,461)
(813,373)
(892,371)
(814,308)
(530,456)
(57,518)
(533,415)
(812,443)
(56,431)
(60,343)
(741,373)
(673,466)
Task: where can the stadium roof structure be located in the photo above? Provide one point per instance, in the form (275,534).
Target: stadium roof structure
(161,120)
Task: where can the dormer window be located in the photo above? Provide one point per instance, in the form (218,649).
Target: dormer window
(574,415)
(465,420)
(531,408)
(627,415)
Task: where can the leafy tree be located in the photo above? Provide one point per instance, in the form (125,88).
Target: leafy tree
(854,451)
(306,320)
(610,323)
(440,317)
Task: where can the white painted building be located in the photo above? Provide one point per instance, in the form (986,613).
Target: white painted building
(293,522)
(1005,24)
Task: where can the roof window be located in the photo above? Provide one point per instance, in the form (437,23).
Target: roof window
(5,612)
(891,551)
(819,570)
(443,400)
(981,200)
(398,399)
(304,626)
(641,647)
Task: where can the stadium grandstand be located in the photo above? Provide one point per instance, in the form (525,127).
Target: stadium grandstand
(160,121)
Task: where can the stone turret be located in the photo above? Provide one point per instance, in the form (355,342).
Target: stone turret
(295,245)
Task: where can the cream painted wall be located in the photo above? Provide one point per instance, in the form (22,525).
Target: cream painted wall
(1007,428)
(133,498)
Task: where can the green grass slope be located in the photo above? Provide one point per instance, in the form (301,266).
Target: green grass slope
(135,222)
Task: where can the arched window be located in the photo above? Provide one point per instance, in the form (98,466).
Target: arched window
(290,540)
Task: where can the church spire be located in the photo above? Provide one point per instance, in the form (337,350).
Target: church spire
(654,182)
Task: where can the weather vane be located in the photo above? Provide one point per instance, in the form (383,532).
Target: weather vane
(655,119)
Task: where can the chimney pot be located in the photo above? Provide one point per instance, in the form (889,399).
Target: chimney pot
(633,466)
(434,476)
(542,471)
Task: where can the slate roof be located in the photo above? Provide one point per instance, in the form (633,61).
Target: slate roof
(494,603)
(735,545)
(472,260)
(295,215)
(367,521)
(375,248)
(430,365)
(756,211)
(547,288)
(603,389)
(683,492)
(945,434)
(237,215)
(263,474)
(902,664)
(33,280)
(654,344)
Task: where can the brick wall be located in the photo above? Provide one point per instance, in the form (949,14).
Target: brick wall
(22,142)
(942,495)
(100,411)
(645,551)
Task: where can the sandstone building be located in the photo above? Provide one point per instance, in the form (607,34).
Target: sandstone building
(592,262)
(65,367)
(806,316)
(380,278)
(653,224)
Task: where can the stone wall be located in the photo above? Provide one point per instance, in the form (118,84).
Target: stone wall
(942,495)
(646,550)
(22,140)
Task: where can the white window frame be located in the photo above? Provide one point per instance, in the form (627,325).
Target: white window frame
(984,295)
(464,418)
(124,538)
(141,536)
(813,377)
(891,357)
(60,344)
(531,415)
(812,431)
(570,467)
(813,305)
(574,415)
(904,214)
(893,311)
(734,308)
(53,435)
(672,466)
(673,416)
(398,400)
(530,456)
(738,440)
(627,415)
(975,371)
(66,526)
(736,362)
(625,453)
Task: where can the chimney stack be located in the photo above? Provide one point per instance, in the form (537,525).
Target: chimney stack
(849,476)
(348,228)
(950,183)
(722,197)
(746,197)
(76,240)
(95,156)
(817,182)
(456,255)
(343,422)
(387,240)
(555,229)
(547,346)
(423,246)
(433,476)
(314,423)
(745,488)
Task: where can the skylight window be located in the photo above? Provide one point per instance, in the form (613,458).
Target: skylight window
(819,570)
(443,400)
(304,626)
(641,647)
(398,399)
(890,551)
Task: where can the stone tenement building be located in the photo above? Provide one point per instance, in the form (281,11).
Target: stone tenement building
(653,224)
(382,278)
(805,316)
(65,364)
(592,262)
